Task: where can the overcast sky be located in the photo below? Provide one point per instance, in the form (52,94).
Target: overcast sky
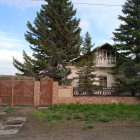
(99,21)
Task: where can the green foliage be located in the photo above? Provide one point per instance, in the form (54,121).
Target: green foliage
(54,39)
(27,68)
(84,128)
(3,105)
(89,112)
(9,110)
(127,46)
(85,76)
(87,127)
(37,107)
(90,126)
(77,117)
(103,120)
(68,118)
(80,62)
(57,117)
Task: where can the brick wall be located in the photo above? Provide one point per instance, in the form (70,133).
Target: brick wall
(37,93)
(90,100)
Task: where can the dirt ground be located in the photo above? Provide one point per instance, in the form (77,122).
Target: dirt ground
(31,130)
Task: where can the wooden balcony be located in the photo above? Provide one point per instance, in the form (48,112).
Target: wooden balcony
(105,61)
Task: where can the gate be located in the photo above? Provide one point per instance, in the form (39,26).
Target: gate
(16,90)
(23,90)
(46,85)
(6,83)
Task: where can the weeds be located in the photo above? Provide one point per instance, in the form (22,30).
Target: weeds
(84,128)
(77,117)
(68,118)
(88,113)
(103,120)
(87,127)
(9,110)
(3,105)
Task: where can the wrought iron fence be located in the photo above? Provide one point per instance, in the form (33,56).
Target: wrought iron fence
(101,91)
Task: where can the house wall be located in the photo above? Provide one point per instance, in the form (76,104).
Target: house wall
(100,71)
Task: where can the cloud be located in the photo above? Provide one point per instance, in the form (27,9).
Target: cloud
(6,61)
(85,25)
(102,41)
(22,4)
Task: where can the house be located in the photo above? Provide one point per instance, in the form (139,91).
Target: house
(103,63)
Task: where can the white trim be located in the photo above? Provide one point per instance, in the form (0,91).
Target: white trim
(108,79)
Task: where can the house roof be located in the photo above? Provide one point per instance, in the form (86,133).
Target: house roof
(104,46)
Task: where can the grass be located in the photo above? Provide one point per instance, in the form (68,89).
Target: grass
(9,110)
(68,118)
(87,127)
(84,128)
(88,113)
(3,105)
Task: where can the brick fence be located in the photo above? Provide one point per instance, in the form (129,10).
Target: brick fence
(67,97)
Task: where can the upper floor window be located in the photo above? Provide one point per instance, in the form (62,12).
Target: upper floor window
(105,53)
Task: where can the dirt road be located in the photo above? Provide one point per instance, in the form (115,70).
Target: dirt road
(72,131)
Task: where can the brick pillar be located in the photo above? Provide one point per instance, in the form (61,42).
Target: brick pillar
(55,93)
(37,93)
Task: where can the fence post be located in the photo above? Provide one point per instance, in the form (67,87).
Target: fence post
(12,77)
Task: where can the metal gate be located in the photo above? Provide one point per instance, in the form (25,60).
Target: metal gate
(46,85)
(16,90)
(6,83)
(23,91)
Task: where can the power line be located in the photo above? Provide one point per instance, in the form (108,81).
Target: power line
(88,3)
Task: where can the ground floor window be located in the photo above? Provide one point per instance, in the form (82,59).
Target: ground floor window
(103,81)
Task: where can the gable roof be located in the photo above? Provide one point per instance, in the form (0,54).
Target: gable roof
(104,46)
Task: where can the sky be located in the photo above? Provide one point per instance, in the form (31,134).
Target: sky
(100,21)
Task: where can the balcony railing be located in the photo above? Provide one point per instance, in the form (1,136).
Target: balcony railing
(105,61)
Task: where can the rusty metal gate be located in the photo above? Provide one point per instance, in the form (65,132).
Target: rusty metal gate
(16,90)
(46,85)
(6,83)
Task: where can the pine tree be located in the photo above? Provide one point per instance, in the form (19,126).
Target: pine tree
(27,68)
(55,36)
(85,74)
(127,47)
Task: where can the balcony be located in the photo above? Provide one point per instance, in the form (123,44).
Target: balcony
(105,61)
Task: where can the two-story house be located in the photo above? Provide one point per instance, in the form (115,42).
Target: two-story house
(103,62)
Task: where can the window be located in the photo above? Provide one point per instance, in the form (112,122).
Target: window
(103,81)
